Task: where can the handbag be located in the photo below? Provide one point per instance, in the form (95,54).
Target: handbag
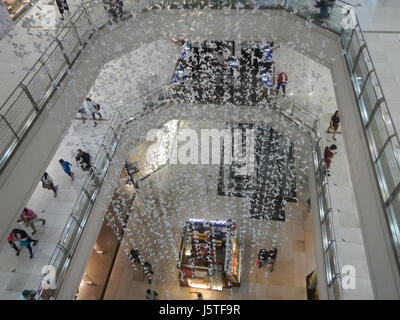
(24,243)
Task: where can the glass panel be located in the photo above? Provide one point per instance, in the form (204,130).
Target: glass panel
(70,236)
(70,42)
(55,62)
(82,26)
(336,289)
(82,209)
(346,34)
(8,141)
(388,170)
(353,49)
(377,132)
(101,163)
(393,212)
(98,14)
(60,261)
(39,85)
(332,260)
(360,73)
(367,100)
(91,185)
(20,113)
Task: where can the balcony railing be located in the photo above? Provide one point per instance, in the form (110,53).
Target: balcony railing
(310,123)
(25,103)
(65,248)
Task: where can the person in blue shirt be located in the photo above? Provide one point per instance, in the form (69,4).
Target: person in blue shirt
(67,168)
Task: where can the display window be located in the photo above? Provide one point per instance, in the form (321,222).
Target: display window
(16,7)
(209,255)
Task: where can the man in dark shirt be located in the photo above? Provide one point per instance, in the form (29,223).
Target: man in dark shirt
(83,160)
(135,255)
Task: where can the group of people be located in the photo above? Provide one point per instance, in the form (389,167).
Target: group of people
(29,217)
(147,268)
(267,257)
(83,160)
(329,151)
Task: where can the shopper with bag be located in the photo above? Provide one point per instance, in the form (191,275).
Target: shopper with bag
(94,108)
(24,240)
(83,160)
(282,81)
(47,183)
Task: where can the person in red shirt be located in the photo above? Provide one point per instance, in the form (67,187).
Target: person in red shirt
(29,218)
(282,80)
(328,155)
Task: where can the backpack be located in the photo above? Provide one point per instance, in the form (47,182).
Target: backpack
(97,107)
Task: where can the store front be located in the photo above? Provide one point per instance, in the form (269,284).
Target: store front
(209,255)
(16,7)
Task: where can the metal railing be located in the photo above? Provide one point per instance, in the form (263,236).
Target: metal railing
(65,248)
(379,129)
(310,123)
(28,99)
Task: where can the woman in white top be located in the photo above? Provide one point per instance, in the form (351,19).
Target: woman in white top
(94,108)
(47,183)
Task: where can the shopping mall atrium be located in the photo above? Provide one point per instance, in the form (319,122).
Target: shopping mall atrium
(216,150)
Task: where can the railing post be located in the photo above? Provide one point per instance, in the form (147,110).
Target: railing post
(8,124)
(61,247)
(105,149)
(115,134)
(62,51)
(76,31)
(371,116)
(89,17)
(46,70)
(358,57)
(87,194)
(28,94)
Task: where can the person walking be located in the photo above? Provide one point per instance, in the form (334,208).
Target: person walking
(94,108)
(82,111)
(282,81)
(328,156)
(324,6)
(29,218)
(272,256)
(24,240)
(134,256)
(67,168)
(47,183)
(334,124)
(151,294)
(11,240)
(148,271)
(83,160)
(27,295)
(62,6)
